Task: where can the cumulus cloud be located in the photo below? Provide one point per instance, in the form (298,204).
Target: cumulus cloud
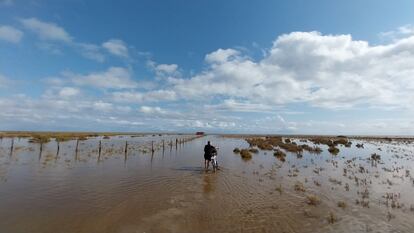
(330,71)
(46,30)
(166,70)
(116,47)
(113,78)
(305,68)
(10,34)
(221,55)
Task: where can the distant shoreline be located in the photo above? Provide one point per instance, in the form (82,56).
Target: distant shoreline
(53,134)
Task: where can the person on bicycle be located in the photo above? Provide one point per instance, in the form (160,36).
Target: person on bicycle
(208,152)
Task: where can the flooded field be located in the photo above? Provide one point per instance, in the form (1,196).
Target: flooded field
(157,183)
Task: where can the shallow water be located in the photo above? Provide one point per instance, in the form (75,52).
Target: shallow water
(169,191)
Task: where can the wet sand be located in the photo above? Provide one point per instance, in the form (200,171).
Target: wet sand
(169,191)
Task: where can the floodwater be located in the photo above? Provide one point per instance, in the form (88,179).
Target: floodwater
(169,190)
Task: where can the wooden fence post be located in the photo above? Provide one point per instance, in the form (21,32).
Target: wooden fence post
(99,150)
(11,148)
(76,150)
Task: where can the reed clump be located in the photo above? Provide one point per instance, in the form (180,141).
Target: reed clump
(245,154)
(314,149)
(280,155)
(313,200)
(333,150)
(268,143)
(342,204)
(375,157)
(39,139)
(324,141)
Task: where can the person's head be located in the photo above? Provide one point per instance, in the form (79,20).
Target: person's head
(208,143)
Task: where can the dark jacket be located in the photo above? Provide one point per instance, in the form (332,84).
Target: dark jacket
(209,150)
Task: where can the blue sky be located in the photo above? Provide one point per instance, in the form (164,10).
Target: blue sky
(312,67)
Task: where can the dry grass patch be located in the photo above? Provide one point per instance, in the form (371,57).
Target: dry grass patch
(342,204)
(333,150)
(245,154)
(313,200)
(39,139)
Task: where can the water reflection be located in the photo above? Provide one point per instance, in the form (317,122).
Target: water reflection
(122,185)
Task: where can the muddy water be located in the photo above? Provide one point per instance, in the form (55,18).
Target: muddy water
(169,191)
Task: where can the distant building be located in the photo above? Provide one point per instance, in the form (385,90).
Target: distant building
(200,133)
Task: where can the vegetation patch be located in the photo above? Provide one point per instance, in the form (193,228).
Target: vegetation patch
(280,155)
(245,154)
(342,204)
(333,150)
(375,157)
(313,200)
(39,139)
(315,149)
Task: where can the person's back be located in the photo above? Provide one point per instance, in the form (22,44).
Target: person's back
(208,152)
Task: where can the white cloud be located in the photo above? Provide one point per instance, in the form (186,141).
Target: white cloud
(91,51)
(330,71)
(235,106)
(102,106)
(68,92)
(46,30)
(152,110)
(221,55)
(164,71)
(149,96)
(400,32)
(116,47)
(113,78)
(166,68)
(10,34)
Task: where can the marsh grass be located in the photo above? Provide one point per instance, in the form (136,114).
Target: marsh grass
(268,143)
(375,157)
(280,155)
(342,204)
(39,139)
(313,200)
(333,150)
(245,154)
(315,149)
